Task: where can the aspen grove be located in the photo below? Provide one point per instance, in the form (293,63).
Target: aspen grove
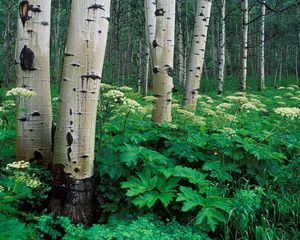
(151,119)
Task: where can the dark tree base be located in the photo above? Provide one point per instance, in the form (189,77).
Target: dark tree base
(72,197)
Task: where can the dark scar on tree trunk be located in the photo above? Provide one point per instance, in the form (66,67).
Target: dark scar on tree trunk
(26,58)
(96,6)
(71,197)
(159,12)
(23,11)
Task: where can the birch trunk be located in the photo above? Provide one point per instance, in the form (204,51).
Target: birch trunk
(8,44)
(146,77)
(196,58)
(150,8)
(262,47)
(244,46)
(222,48)
(33,73)
(73,161)
(163,51)
(181,48)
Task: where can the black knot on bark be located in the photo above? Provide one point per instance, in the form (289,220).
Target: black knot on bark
(96,6)
(155,70)
(169,70)
(155,44)
(26,58)
(159,12)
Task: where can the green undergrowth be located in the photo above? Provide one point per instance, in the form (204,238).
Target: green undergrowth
(230,172)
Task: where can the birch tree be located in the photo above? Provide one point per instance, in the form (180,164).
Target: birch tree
(196,58)
(33,73)
(244,45)
(222,48)
(262,47)
(163,51)
(150,8)
(73,161)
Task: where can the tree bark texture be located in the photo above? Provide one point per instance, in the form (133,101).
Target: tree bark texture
(244,45)
(73,161)
(222,48)
(262,47)
(196,58)
(33,73)
(163,51)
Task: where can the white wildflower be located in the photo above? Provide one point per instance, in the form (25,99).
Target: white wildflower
(208,111)
(241,94)
(249,106)
(224,106)
(2,188)
(20,92)
(277,97)
(294,86)
(281,88)
(18,165)
(125,89)
(29,180)
(287,112)
(105,86)
(149,98)
(228,131)
(288,95)
(290,88)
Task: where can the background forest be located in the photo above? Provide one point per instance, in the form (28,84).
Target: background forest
(226,168)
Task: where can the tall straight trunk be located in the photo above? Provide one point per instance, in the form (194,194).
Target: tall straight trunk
(140,68)
(163,51)
(33,73)
(147,67)
(150,8)
(73,160)
(196,58)
(262,47)
(181,48)
(8,44)
(244,46)
(222,48)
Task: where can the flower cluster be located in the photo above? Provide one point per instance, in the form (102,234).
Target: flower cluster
(249,106)
(228,131)
(223,106)
(187,115)
(28,179)
(20,92)
(239,99)
(277,97)
(205,98)
(132,105)
(116,95)
(149,98)
(287,112)
(105,86)
(125,89)
(281,88)
(2,188)
(290,88)
(208,111)
(18,165)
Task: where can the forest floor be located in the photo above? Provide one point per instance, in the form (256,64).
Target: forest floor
(230,172)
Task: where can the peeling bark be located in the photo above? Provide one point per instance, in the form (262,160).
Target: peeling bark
(196,58)
(33,73)
(163,51)
(75,132)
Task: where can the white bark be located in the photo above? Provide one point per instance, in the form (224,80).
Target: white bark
(163,61)
(181,48)
(244,45)
(82,71)
(222,48)
(196,58)
(33,73)
(262,47)
(150,8)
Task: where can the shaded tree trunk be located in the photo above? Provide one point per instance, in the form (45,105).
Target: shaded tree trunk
(73,160)
(8,44)
(163,51)
(196,58)
(33,73)
(262,47)
(244,46)
(222,48)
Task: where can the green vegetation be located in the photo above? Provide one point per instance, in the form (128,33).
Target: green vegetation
(231,172)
